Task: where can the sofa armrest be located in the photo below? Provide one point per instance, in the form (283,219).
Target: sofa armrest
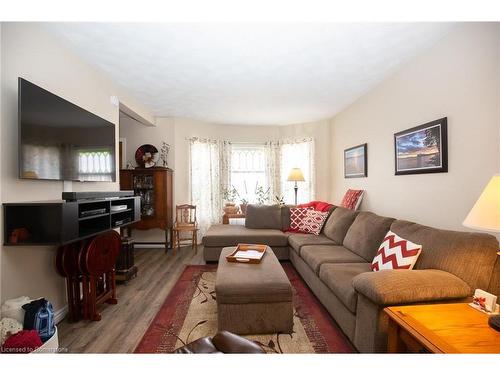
(396,287)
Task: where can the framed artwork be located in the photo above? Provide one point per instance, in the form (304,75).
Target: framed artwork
(422,149)
(356,161)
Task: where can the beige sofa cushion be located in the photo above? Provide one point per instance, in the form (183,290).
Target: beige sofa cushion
(297,240)
(470,256)
(366,234)
(338,277)
(338,224)
(317,255)
(221,235)
(263,217)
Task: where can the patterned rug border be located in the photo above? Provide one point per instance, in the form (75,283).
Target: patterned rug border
(161,336)
(171,315)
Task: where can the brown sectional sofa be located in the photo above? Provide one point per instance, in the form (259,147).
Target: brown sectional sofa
(336,265)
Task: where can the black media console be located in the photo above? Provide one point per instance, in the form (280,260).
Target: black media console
(60,222)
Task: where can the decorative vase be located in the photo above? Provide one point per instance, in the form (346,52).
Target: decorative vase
(230,208)
(243,208)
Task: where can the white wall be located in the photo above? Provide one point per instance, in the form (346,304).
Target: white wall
(459,77)
(28,51)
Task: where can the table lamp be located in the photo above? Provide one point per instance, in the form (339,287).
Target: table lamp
(485,215)
(295,175)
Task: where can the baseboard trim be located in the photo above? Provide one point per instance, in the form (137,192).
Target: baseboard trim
(153,246)
(60,314)
(149,246)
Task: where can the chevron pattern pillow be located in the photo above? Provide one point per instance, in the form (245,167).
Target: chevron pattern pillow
(396,253)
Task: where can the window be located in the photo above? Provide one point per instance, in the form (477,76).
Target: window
(95,164)
(298,154)
(248,170)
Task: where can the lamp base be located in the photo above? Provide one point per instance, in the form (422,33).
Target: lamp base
(494,322)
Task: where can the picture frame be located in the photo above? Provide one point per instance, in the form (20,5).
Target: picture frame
(422,149)
(356,161)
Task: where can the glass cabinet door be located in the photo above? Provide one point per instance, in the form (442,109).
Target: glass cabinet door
(143,185)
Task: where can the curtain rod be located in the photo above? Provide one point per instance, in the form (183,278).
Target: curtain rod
(286,140)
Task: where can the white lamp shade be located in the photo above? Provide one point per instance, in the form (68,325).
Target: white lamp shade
(485,215)
(295,175)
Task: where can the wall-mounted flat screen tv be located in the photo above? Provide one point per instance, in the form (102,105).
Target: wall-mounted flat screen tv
(58,140)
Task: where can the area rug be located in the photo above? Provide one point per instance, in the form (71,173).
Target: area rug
(190,312)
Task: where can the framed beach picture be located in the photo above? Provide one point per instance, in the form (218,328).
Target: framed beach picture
(356,161)
(422,149)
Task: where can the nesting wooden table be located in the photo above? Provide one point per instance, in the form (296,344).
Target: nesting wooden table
(440,328)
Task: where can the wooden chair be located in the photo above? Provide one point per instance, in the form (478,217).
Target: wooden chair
(185,221)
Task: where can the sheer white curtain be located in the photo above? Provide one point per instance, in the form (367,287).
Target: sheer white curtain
(297,153)
(225,165)
(209,175)
(273,168)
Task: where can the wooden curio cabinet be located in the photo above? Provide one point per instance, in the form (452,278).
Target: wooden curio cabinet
(155,187)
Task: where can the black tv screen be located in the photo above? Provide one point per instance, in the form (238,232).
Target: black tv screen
(60,141)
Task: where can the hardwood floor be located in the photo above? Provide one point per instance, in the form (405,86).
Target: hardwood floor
(123,325)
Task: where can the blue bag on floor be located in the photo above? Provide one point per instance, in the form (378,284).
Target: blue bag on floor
(40,317)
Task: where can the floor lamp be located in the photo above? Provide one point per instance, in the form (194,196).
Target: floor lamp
(295,175)
(485,215)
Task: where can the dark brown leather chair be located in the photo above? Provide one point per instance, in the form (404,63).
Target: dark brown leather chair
(222,342)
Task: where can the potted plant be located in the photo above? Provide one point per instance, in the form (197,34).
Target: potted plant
(243,206)
(230,196)
(262,195)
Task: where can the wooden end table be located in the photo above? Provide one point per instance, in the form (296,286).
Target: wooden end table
(440,328)
(226,217)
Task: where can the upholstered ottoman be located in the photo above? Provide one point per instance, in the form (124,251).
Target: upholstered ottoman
(253,298)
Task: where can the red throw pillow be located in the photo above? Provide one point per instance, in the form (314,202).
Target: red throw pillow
(352,199)
(317,205)
(297,214)
(313,222)
(396,253)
